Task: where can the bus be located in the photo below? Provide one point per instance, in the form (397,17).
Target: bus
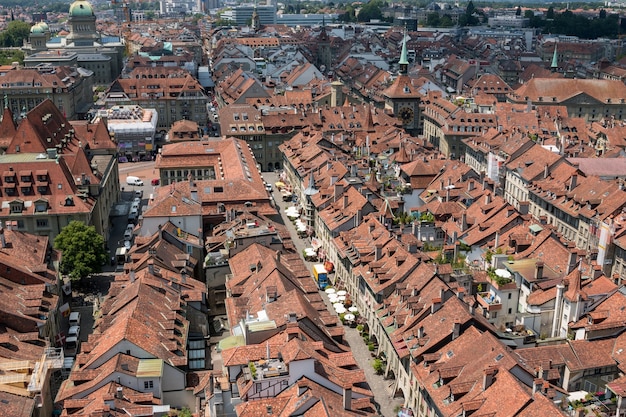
(321,276)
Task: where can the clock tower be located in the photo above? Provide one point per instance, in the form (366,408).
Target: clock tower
(402,98)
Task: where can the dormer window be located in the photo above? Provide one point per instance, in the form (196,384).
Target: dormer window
(41,206)
(69,200)
(17,207)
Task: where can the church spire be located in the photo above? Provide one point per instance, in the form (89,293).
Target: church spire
(404,60)
(555,60)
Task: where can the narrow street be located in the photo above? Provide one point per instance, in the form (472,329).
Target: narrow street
(379,386)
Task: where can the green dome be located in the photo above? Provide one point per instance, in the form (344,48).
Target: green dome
(81,8)
(37,28)
(44,26)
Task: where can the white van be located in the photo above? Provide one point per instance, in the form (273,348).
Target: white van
(75,318)
(130,180)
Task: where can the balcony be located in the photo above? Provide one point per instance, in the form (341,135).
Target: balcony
(489,302)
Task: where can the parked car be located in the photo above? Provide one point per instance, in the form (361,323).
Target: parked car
(74,331)
(128,233)
(75,318)
(155,181)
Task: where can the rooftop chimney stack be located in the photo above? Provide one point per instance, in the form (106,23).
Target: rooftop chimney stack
(539,270)
(456,330)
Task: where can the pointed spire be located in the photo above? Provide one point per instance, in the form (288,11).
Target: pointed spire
(404,59)
(555,60)
(7,125)
(311,190)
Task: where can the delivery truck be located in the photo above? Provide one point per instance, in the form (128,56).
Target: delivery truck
(130,180)
(321,276)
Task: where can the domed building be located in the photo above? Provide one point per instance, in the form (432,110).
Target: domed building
(39,36)
(84,46)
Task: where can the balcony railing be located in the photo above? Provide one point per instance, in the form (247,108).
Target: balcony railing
(489,302)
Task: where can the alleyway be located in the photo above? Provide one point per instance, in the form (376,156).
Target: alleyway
(379,386)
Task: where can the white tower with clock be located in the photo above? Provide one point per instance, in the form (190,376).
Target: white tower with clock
(402,97)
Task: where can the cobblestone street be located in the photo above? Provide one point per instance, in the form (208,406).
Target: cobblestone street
(379,386)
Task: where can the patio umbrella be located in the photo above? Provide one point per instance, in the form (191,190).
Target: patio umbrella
(353,309)
(329,290)
(349,317)
(503,273)
(341,310)
(341,298)
(337,306)
(342,292)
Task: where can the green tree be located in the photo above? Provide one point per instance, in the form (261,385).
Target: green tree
(550,13)
(9,56)
(224,22)
(82,248)
(378,366)
(15,33)
(370,11)
(432,20)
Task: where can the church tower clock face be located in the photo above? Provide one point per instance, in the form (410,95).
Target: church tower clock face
(406,115)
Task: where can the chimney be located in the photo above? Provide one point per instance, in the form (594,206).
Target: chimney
(456,330)
(3,240)
(597,271)
(546,171)
(539,270)
(523,207)
(378,250)
(338,191)
(151,266)
(420,332)
(538,385)
(572,182)
(277,256)
(347,398)
(119,393)
(345,201)
(463,222)
(132,276)
(487,198)
(470,185)
(488,375)
(358,218)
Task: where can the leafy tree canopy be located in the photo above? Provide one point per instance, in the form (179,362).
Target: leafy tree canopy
(371,11)
(83,250)
(7,57)
(15,33)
